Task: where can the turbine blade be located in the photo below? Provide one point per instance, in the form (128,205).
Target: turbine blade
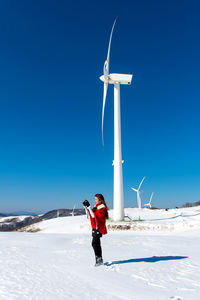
(134,189)
(151,197)
(106,64)
(104,102)
(141,182)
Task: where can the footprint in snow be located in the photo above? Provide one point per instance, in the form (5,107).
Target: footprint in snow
(111,267)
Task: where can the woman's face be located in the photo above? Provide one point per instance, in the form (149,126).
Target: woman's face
(97,201)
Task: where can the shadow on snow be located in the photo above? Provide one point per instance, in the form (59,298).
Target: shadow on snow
(146,259)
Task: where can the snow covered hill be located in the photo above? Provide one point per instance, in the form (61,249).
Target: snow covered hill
(58,261)
(140,220)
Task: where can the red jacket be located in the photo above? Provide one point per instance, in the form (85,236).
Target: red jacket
(99,220)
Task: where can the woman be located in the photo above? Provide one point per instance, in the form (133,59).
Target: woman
(98,216)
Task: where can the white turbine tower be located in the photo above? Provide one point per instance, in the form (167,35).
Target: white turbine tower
(149,203)
(116,80)
(138,191)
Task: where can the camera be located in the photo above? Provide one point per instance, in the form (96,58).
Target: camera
(86,203)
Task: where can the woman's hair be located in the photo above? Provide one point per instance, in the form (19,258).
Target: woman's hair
(102,200)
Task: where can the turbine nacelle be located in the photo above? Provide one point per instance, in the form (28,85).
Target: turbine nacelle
(115,77)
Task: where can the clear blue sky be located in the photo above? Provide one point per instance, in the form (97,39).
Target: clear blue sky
(51,56)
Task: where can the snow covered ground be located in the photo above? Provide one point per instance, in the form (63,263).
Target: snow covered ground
(57,262)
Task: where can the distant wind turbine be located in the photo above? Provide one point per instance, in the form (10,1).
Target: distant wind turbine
(149,204)
(138,191)
(72,213)
(116,80)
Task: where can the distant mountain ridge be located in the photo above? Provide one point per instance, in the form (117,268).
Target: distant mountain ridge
(3,215)
(12,224)
(18,213)
(191,204)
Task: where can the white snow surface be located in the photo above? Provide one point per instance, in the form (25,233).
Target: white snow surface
(58,262)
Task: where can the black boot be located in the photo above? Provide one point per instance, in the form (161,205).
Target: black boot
(99,261)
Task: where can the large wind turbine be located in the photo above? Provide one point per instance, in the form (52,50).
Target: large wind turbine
(149,204)
(138,191)
(116,80)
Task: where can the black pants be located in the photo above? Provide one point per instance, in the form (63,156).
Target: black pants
(96,243)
